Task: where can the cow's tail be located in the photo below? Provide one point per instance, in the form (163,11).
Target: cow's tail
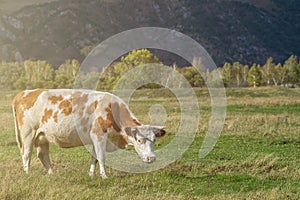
(17,130)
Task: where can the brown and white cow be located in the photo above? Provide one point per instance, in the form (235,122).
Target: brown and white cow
(71,118)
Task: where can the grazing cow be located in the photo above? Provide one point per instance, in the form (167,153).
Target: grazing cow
(71,118)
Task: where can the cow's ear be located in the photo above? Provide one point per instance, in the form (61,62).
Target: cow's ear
(159,131)
(131,131)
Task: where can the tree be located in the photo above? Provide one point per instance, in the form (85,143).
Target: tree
(268,71)
(293,67)
(280,74)
(10,73)
(111,74)
(192,76)
(237,73)
(38,74)
(204,71)
(244,72)
(139,57)
(255,76)
(215,78)
(66,74)
(227,74)
(90,80)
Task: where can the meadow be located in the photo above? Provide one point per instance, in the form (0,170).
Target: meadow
(256,157)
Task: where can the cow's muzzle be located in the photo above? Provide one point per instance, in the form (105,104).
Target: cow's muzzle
(149,159)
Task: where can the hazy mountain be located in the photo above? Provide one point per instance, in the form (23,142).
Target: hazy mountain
(246,31)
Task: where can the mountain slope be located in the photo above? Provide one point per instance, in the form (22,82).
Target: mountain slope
(229,30)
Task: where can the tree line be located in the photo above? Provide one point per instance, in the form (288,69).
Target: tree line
(40,74)
(286,74)
(37,74)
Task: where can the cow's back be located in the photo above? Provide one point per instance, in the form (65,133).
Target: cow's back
(66,116)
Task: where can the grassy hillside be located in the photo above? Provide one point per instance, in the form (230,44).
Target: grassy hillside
(244,31)
(256,157)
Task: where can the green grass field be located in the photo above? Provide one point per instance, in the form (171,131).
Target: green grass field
(256,157)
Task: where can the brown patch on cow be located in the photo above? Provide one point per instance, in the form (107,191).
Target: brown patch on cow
(66,107)
(123,116)
(20,116)
(18,98)
(79,100)
(30,99)
(91,109)
(22,103)
(117,116)
(98,129)
(47,115)
(55,117)
(55,99)
(101,125)
(112,119)
(19,112)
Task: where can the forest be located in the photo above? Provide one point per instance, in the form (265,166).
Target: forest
(41,74)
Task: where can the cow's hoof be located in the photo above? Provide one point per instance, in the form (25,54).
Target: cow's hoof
(92,174)
(103,176)
(50,171)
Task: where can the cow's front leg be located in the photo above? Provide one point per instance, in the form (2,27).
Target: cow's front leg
(100,147)
(94,163)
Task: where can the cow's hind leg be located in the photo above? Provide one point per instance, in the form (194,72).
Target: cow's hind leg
(94,163)
(42,145)
(26,149)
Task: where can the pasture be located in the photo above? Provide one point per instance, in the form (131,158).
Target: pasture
(256,157)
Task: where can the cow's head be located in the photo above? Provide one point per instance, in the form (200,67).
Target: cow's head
(143,138)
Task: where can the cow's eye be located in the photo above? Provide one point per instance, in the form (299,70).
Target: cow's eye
(140,141)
